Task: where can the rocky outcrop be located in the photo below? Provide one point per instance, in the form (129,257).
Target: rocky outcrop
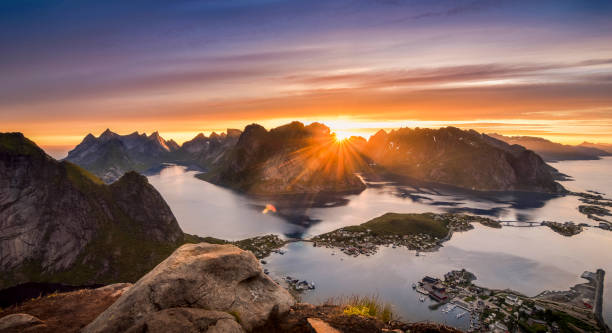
(290,159)
(460,158)
(65,312)
(20,322)
(59,223)
(207,285)
(179,320)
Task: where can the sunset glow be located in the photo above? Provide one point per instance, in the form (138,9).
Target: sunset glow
(516,68)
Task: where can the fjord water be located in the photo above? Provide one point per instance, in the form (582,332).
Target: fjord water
(528,260)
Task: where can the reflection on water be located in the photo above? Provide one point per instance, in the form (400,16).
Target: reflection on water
(528,260)
(208,210)
(205,209)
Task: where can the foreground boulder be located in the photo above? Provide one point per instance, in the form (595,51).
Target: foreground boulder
(180,320)
(215,278)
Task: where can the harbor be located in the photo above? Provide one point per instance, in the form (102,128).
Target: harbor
(504,311)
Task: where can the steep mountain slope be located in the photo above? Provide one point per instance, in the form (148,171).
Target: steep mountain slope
(111,155)
(59,223)
(461,158)
(552,151)
(290,159)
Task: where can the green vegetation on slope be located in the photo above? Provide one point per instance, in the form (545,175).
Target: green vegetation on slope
(78,175)
(16,143)
(131,258)
(403,224)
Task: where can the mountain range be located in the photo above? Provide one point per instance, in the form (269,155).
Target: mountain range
(60,223)
(601,146)
(111,155)
(552,151)
(300,159)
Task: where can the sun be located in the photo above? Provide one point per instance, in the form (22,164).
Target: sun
(341,136)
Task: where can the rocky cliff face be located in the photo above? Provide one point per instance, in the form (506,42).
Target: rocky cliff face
(461,158)
(110,155)
(58,222)
(290,159)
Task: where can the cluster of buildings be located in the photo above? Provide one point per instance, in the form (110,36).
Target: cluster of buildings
(433,288)
(462,222)
(262,246)
(566,229)
(366,242)
(497,311)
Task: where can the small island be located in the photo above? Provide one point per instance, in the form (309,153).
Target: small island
(566,229)
(421,232)
(595,207)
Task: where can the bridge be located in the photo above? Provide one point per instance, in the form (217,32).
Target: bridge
(520,224)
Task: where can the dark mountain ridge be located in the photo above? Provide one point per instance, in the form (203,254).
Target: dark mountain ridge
(299,159)
(461,158)
(552,151)
(111,155)
(607,147)
(290,159)
(60,223)
(204,151)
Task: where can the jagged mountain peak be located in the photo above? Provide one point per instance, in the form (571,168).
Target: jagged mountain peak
(108,134)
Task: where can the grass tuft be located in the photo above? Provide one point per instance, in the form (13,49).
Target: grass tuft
(365,306)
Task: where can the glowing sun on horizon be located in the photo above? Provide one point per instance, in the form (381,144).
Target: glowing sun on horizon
(342,136)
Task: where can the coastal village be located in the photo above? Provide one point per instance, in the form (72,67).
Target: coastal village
(361,240)
(576,310)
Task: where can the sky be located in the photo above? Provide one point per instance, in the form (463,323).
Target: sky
(68,68)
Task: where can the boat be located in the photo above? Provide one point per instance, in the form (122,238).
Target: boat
(422,299)
(422,291)
(461,314)
(448,308)
(414,286)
